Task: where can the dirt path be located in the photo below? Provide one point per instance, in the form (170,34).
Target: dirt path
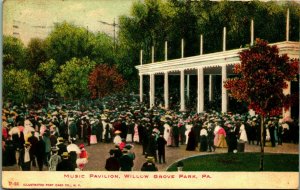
(98,153)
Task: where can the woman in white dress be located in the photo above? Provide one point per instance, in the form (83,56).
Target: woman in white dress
(188,127)
(243,134)
(167,129)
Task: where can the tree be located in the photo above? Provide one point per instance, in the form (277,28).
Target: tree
(102,49)
(46,71)
(72,81)
(36,51)
(14,53)
(67,41)
(262,76)
(19,85)
(105,80)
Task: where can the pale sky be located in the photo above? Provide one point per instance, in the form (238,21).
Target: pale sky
(35,18)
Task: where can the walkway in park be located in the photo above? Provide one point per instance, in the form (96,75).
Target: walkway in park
(98,154)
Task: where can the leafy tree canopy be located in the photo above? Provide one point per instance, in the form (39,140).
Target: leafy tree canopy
(105,80)
(72,81)
(37,54)
(14,53)
(67,41)
(19,85)
(262,75)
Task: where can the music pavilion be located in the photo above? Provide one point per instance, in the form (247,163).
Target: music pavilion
(219,63)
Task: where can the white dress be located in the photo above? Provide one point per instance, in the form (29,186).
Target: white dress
(243,134)
(117,140)
(104,130)
(187,131)
(167,129)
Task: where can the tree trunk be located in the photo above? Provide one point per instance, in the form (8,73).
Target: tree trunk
(261,165)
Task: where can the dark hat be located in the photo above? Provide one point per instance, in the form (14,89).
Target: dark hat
(111,151)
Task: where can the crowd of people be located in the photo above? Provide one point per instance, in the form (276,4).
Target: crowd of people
(48,135)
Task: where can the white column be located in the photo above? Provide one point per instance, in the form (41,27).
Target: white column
(182,48)
(200,98)
(141,88)
(141,57)
(152,90)
(287,91)
(252,32)
(201,44)
(166,50)
(166,90)
(224,39)
(188,86)
(152,54)
(210,86)
(251,111)
(224,91)
(182,100)
(288,25)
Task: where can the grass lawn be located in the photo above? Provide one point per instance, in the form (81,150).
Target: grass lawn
(240,162)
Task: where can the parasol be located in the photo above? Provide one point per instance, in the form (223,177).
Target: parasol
(14,130)
(73,147)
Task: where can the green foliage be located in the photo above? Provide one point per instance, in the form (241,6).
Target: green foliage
(46,72)
(36,53)
(102,49)
(19,85)
(14,53)
(72,81)
(239,162)
(67,41)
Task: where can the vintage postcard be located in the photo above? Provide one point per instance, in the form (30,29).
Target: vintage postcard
(126,94)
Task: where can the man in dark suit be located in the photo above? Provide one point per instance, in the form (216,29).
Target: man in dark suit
(33,141)
(112,163)
(61,145)
(161,143)
(65,164)
(24,158)
(126,162)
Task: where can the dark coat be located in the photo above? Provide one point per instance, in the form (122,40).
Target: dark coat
(65,165)
(24,165)
(124,130)
(126,163)
(40,149)
(112,164)
(149,166)
(33,140)
(9,154)
(53,140)
(191,145)
(62,148)
(152,146)
(161,143)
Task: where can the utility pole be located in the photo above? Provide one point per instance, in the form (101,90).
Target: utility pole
(114,25)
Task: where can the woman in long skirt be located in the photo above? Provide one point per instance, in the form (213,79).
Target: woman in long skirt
(191,143)
(203,140)
(136,137)
(216,138)
(221,138)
